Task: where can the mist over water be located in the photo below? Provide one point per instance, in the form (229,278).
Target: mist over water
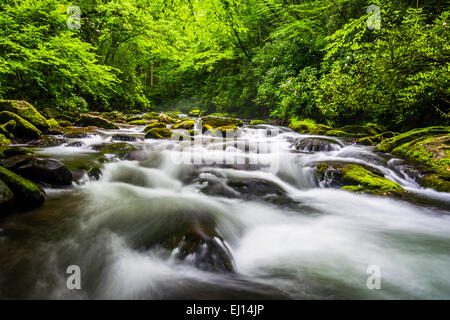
(288,236)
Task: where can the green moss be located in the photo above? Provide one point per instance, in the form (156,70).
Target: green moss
(52,123)
(7,128)
(195,113)
(256,122)
(337,133)
(376,139)
(120,149)
(394,142)
(87,120)
(158,133)
(26,111)
(154,124)
(221,122)
(359,179)
(439,182)
(4,141)
(28,194)
(165,118)
(187,124)
(65,123)
(138,122)
(319,129)
(23,128)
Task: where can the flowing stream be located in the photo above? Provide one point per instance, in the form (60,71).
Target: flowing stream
(288,236)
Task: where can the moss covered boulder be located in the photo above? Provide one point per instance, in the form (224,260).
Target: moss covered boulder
(216,122)
(158,133)
(26,111)
(52,123)
(23,129)
(195,113)
(377,139)
(187,124)
(138,122)
(357,178)
(7,128)
(64,123)
(121,149)
(154,124)
(88,120)
(7,152)
(309,127)
(26,193)
(164,118)
(257,122)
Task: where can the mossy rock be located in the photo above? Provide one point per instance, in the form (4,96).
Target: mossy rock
(23,128)
(390,144)
(359,131)
(52,123)
(88,120)
(154,124)
(158,133)
(78,133)
(376,139)
(121,149)
(256,122)
(187,124)
(65,123)
(7,152)
(6,196)
(439,182)
(138,122)
(301,126)
(150,116)
(164,118)
(216,122)
(319,129)
(26,111)
(195,113)
(4,141)
(356,178)
(7,128)
(26,193)
(338,133)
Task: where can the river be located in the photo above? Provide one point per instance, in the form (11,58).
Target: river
(288,237)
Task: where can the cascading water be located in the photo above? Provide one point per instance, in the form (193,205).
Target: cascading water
(285,235)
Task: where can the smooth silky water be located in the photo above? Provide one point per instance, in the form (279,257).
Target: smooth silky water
(304,242)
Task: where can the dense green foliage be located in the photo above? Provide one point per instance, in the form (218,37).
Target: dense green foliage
(314,59)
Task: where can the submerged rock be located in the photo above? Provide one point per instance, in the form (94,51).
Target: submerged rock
(94,173)
(26,193)
(317,144)
(353,177)
(41,170)
(23,129)
(26,111)
(87,120)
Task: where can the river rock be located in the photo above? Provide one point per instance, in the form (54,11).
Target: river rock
(154,124)
(164,118)
(121,149)
(123,137)
(41,170)
(26,193)
(158,133)
(23,128)
(26,111)
(317,144)
(6,196)
(187,124)
(87,120)
(221,121)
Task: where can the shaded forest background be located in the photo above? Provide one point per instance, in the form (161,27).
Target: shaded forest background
(283,59)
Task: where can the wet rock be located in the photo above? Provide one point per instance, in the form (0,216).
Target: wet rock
(187,124)
(26,111)
(6,196)
(121,149)
(158,133)
(202,247)
(165,118)
(76,144)
(14,151)
(4,141)
(123,137)
(23,128)
(41,170)
(47,141)
(79,133)
(94,173)
(221,121)
(357,178)
(154,124)
(87,120)
(376,139)
(26,193)
(317,144)
(7,128)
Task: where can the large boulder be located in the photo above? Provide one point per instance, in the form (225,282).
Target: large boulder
(26,111)
(221,121)
(40,170)
(26,193)
(88,120)
(23,129)
(164,118)
(357,178)
(187,124)
(154,124)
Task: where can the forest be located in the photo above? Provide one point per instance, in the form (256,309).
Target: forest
(224,149)
(335,62)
